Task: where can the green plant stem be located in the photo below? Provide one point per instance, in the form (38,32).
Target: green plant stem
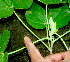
(51,44)
(43,42)
(61,36)
(62,41)
(40,40)
(33,43)
(46,21)
(47,26)
(17,50)
(29,29)
(48,33)
(26,26)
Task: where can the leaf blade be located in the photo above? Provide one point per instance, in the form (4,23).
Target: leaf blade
(60,16)
(52,1)
(4,57)
(36,16)
(6,9)
(22,4)
(4,39)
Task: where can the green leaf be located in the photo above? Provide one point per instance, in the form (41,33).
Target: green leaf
(4,39)
(52,1)
(60,15)
(4,57)
(69,3)
(22,4)
(36,16)
(6,8)
(1,57)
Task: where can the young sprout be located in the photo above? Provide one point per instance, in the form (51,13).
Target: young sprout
(52,25)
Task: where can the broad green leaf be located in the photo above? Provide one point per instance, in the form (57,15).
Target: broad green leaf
(6,8)
(22,4)
(36,16)
(53,1)
(60,15)
(1,57)
(4,39)
(4,57)
(69,3)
